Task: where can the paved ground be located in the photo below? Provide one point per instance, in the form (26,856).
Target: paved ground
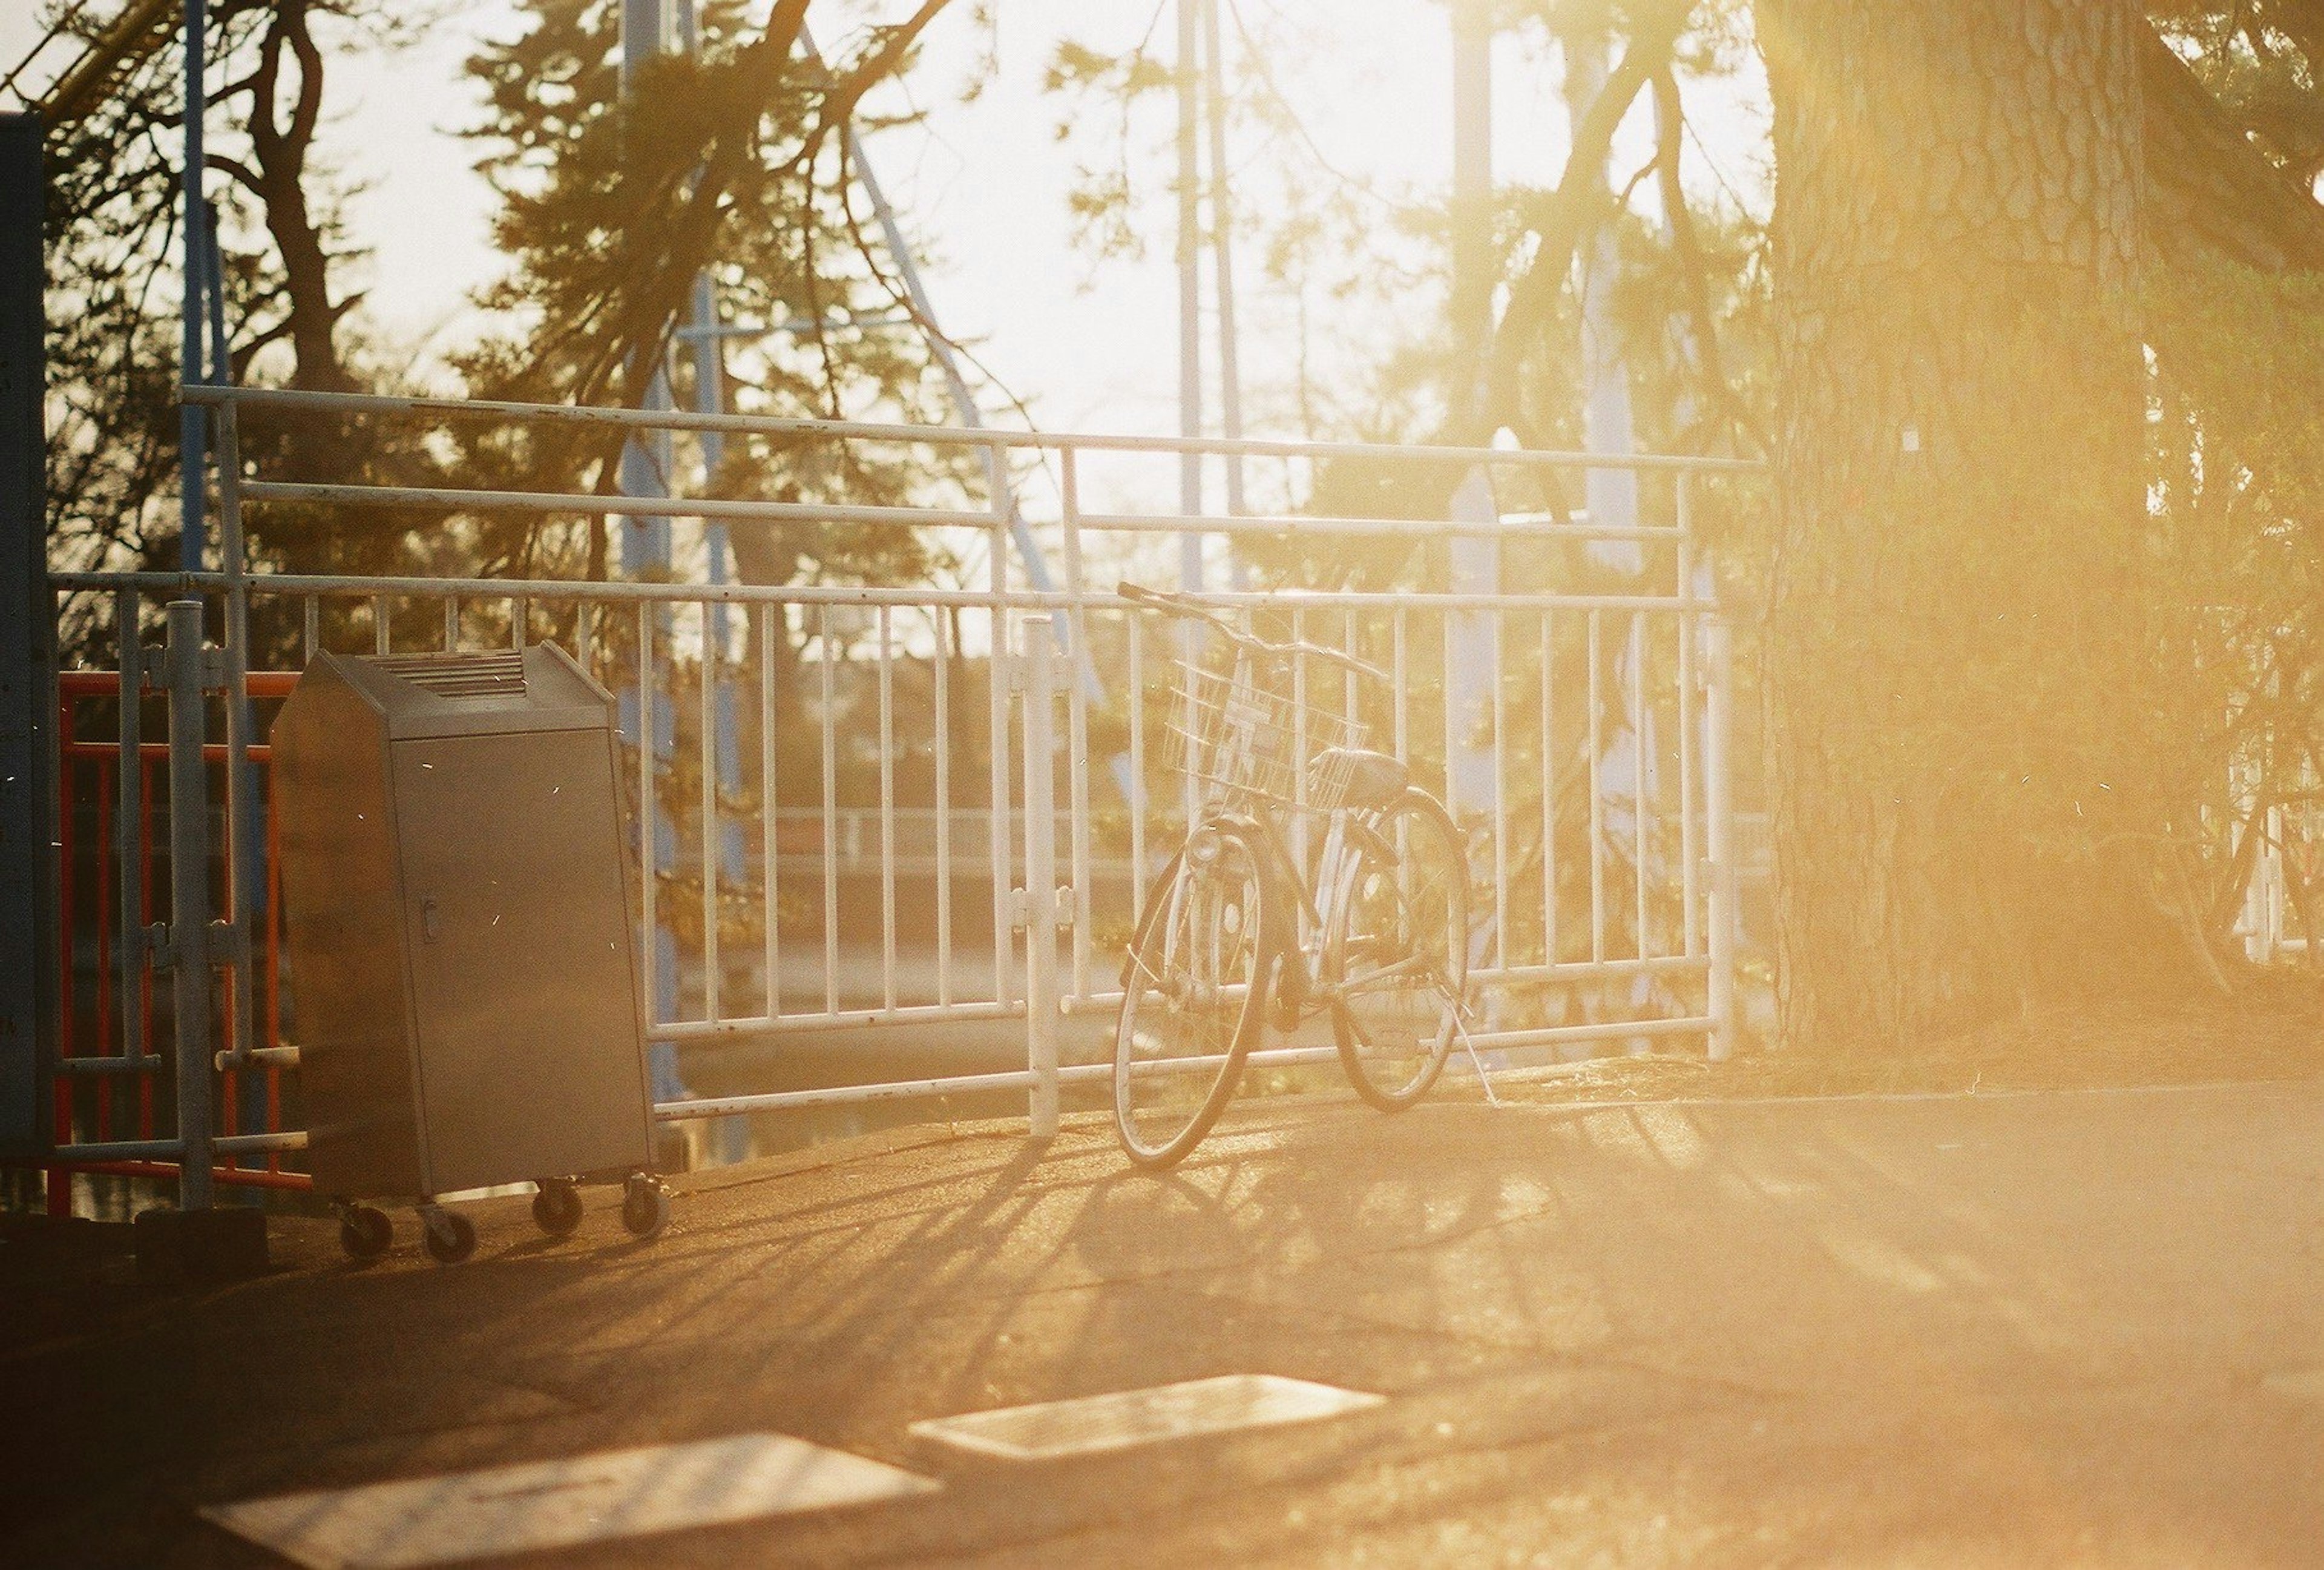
(2082,1328)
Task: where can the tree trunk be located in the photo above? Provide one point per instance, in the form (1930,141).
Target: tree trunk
(1966,806)
(281,139)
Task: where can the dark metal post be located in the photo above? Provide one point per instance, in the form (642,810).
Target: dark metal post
(28,665)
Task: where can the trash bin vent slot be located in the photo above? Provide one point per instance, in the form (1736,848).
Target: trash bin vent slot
(499,675)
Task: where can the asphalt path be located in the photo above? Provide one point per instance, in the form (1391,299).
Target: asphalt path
(2079,1328)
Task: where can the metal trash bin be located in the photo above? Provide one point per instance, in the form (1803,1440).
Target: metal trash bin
(462,950)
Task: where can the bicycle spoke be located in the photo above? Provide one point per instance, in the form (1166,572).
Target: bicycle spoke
(1193,989)
(1401,949)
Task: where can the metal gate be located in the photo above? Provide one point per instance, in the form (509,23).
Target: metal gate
(905,806)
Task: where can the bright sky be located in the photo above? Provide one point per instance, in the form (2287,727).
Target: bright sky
(1091,345)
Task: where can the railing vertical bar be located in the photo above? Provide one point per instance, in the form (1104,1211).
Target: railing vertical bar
(1077,753)
(147,912)
(998,704)
(1500,792)
(649,819)
(1190,637)
(243,877)
(62,1097)
(584,637)
(1453,689)
(129,820)
(1134,695)
(1040,876)
(706,723)
(1000,840)
(1548,790)
(311,623)
(1718,832)
(1641,795)
(943,684)
(1397,667)
(106,843)
(189,902)
(1596,804)
(451,623)
(381,634)
(828,727)
(272,1035)
(769,848)
(887,809)
(521,628)
(1299,747)
(1689,891)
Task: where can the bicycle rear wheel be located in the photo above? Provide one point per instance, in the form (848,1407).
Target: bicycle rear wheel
(1193,993)
(1398,952)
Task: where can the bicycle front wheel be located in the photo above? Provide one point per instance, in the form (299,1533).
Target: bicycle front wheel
(1398,952)
(1193,993)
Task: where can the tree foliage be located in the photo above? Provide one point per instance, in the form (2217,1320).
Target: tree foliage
(2218,642)
(732,165)
(116,282)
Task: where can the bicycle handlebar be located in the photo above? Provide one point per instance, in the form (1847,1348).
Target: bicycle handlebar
(1172,603)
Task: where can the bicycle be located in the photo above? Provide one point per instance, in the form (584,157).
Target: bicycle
(1220,950)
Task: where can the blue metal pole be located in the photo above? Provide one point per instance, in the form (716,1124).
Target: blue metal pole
(192,428)
(649,716)
(1474,560)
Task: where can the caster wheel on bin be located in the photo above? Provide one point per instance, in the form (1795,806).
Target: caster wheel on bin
(556,1208)
(645,1207)
(451,1237)
(364,1232)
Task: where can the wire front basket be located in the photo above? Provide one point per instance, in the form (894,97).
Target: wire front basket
(1243,737)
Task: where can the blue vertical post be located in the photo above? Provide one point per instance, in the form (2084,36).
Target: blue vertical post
(649,717)
(720,752)
(1190,302)
(1474,565)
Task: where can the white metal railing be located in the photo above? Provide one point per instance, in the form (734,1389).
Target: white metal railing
(909,870)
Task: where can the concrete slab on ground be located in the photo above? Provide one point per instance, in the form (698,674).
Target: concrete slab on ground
(2076,1328)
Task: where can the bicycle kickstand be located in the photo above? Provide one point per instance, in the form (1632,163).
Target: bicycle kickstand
(1460,1025)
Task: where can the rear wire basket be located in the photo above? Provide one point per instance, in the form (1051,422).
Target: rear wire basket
(1242,736)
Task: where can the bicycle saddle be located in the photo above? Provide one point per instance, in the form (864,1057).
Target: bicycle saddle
(1374,779)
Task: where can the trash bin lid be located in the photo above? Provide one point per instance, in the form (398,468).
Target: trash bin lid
(540,688)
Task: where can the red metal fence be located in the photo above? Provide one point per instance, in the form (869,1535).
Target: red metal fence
(115,1104)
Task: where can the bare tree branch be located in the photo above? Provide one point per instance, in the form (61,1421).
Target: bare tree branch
(1694,272)
(1577,206)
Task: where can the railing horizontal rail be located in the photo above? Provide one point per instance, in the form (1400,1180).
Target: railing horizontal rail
(1273,525)
(169,1172)
(771,1024)
(107,683)
(223,1144)
(564,590)
(1568,974)
(943,434)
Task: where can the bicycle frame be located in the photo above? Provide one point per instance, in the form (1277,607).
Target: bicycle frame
(1301,986)
(1252,772)
(1300,982)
